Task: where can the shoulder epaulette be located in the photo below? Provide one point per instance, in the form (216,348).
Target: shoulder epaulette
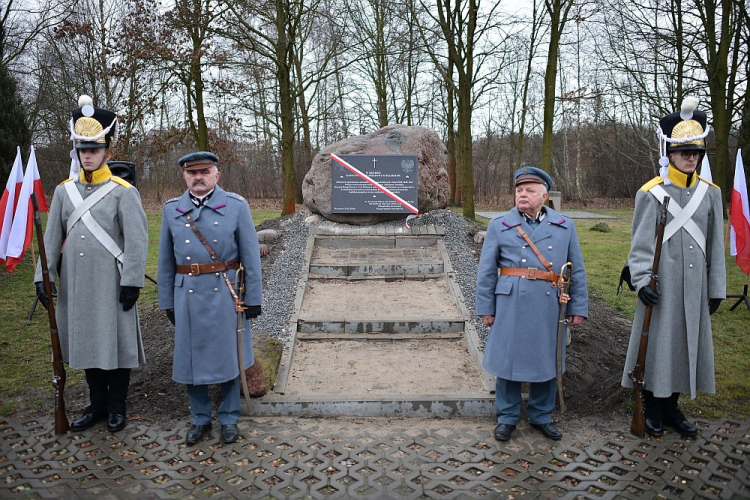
(66,180)
(708,182)
(122,182)
(653,182)
(235,196)
(170,201)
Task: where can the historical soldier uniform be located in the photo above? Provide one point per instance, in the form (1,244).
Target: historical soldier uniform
(194,289)
(97,237)
(692,273)
(517,289)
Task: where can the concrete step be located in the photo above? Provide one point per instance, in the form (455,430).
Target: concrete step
(343,270)
(417,377)
(379,325)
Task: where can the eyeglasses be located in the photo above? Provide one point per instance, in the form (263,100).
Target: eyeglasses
(686,155)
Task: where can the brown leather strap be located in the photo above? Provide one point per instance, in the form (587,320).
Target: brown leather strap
(530,273)
(217,266)
(213,267)
(539,255)
(203,240)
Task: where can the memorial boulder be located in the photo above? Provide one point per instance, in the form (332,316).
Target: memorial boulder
(432,184)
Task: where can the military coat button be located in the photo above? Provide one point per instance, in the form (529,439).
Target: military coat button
(187,242)
(187,258)
(217,274)
(81,254)
(190,291)
(690,266)
(549,248)
(216,289)
(83,236)
(216,241)
(187,225)
(216,223)
(691,247)
(523,261)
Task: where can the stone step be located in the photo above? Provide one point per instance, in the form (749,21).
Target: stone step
(417,377)
(396,405)
(384,229)
(385,326)
(339,262)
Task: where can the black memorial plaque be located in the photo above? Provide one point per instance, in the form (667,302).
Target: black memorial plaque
(352,194)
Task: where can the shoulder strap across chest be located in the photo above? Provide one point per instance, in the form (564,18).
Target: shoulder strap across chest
(82,212)
(682,216)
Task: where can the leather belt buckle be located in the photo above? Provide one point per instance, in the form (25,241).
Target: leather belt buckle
(195,269)
(531,273)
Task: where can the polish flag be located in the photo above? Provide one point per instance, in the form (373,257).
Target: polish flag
(9,201)
(22,231)
(739,218)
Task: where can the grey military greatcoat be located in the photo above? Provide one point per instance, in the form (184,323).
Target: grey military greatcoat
(94,330)
(680,355)
(205,350)
(523,340)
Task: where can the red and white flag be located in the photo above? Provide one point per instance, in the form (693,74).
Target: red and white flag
(22,231)
(739,218)
(9,201)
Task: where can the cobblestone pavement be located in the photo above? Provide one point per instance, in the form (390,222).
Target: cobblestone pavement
(286,458)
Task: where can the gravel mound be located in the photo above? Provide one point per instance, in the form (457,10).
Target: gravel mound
(281,273)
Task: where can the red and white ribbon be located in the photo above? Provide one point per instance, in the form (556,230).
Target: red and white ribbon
(375,183)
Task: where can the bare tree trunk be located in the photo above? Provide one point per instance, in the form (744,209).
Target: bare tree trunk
(286,101)
(455,197)
(558,12)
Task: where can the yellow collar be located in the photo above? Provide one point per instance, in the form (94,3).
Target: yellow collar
(102,174)
(679,178)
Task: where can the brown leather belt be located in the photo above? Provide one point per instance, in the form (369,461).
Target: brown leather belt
(530,273)
(213,267)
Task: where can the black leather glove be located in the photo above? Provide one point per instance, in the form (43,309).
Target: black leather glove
(41,294)
(129,296)
(252,312)
(713,305)
(648,297)
(170,315)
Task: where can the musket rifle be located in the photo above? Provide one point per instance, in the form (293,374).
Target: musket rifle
(563,284)
(637,374)
(58,380)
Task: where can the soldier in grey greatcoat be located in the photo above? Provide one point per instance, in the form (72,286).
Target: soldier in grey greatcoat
(198,289)
(97,234)
(692,274)
(517,296)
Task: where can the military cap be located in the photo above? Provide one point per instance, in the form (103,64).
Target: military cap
(684,130)
(198,160)
(532,174)
(93,127)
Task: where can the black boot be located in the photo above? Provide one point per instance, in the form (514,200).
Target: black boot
(118,381)
(674,418)
(654,413)
(97,409)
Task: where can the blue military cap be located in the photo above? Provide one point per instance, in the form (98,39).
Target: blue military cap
(532,174)
(198,160)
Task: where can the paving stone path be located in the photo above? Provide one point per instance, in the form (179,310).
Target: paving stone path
(286,458)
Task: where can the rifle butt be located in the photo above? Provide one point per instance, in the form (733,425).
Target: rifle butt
(638,424)
(61,419)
